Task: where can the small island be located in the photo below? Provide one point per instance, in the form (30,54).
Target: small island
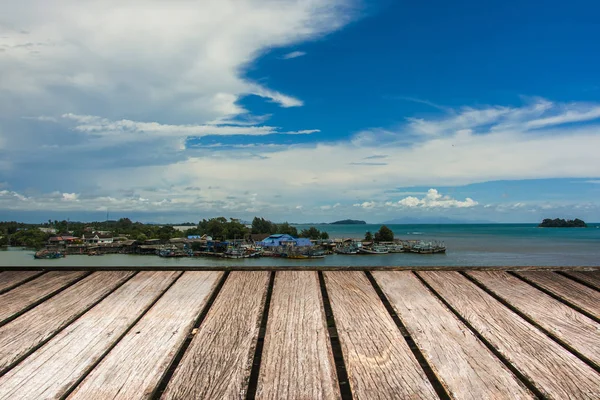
(348,222)
(561,223)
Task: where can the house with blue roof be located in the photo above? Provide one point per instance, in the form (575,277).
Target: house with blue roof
(284,240)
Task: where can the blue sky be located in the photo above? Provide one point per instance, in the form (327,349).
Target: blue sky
(299,110)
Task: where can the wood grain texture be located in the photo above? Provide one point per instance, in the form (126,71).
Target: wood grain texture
(590,277)
(379,363)
(556,372)
(580,295)
(10,279)
(570,326)
(55,367)
(30,329)
(26,295)
(218,361)
(297,362)
(133,369)
(464,365)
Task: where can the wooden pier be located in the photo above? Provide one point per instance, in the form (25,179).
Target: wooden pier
(294,333)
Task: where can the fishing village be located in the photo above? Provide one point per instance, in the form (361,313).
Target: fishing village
(275,245)
(216,237)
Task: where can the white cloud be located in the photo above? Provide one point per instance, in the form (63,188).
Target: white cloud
(70,196)
(433,199)
(294,54)
(143,57)
(366,204)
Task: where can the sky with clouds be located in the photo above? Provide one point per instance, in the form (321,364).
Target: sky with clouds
(299,110)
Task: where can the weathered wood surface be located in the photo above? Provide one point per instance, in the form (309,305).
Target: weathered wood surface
(556,372)
(463,364)
(27,295)
(27,331)
(570,326)
(378,360)
(218,361)
(590,277)
(54,368)
(297,362)
(10,279)
(580,295)
(133,369)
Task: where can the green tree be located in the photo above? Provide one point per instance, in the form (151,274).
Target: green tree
(311,233)
(324,235)
(368,237)
(141,237)
(384,234)
(234,229)
(261,225)
(286,228)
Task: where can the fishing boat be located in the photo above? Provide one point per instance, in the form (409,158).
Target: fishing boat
(373,250)
(428,248)
(395,248)
(48,254)
(347,250)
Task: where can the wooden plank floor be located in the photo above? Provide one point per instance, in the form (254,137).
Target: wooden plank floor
(581,296)
(217,364)
(10,279)
(33,328)
(553,370)
(465,366)
(592,278)
(133,369)
(55,367)
(379,361)
(299,335)
(26,296)
(570,326)
(297,362)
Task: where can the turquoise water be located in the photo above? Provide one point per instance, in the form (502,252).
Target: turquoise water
(468,245)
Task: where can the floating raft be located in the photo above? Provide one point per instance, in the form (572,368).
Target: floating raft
(300,334)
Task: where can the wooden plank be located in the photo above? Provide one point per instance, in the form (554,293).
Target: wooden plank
(554,371)
(30,293)
(590,277)
(379,363)
(27,331)
(297,362)
(53,369)
(133,369)
(10,279)
(464,365)
(580,295)
(573,328)
(217,363)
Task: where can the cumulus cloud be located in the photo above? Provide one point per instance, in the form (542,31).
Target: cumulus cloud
(433,199)
(294,54)
(70,196)
(147,57)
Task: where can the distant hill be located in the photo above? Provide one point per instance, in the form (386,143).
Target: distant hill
(561,223)
(432,220)
(349,222)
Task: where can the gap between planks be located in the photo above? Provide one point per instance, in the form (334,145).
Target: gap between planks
(27,333)
(575,331)
(550,368)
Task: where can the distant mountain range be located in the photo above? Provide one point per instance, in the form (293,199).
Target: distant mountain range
(432,220)
(349,222)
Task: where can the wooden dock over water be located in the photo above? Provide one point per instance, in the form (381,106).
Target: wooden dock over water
(325,333)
